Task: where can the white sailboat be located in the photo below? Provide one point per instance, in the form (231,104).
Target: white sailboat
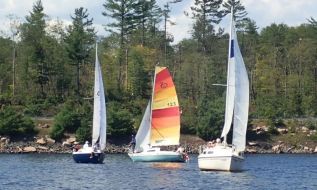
(160,125)
(95,153)
(223,156)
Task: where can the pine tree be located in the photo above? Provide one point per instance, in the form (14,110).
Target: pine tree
(144,11)
(122,11)
(205,12)
(239,13)
(79,41)
(33,34)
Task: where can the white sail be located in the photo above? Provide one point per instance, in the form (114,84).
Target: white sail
(241,101)
(230,86)
(143,135)
(99,117)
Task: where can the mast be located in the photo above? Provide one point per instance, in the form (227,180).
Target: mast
(230,88)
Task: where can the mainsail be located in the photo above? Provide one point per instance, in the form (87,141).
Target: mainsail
(143,135)
(241,100)
(99,116)
(165,114)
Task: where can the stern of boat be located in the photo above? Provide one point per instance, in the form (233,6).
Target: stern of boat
(95,157)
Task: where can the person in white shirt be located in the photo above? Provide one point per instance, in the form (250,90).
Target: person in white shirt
(86,145)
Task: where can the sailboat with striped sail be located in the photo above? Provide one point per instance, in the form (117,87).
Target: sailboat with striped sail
(160,125)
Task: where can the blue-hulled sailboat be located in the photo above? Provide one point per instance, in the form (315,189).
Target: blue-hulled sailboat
(95,153)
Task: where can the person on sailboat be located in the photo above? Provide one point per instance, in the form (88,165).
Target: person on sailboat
(211,144)
(76,147)
(180,149)
(86,145)
(132,143)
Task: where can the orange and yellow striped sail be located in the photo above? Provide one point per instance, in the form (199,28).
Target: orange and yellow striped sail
(165,128)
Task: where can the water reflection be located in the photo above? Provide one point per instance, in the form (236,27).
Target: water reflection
(167,165)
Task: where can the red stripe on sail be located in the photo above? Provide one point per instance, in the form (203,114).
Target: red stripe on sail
(162,75)
(166,122)
(163,84)
(168,112)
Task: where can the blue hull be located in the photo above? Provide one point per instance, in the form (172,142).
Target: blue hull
(97,158)
(157,158)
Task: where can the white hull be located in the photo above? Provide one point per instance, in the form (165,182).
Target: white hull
(156,155)
(220,158)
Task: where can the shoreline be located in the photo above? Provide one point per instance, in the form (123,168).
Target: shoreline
(59,148)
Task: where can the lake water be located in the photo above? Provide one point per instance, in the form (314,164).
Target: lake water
(58,171)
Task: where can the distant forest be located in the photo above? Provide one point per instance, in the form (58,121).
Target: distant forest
(46,68)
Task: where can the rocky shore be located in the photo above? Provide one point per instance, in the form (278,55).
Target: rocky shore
(48,145)
(279,148)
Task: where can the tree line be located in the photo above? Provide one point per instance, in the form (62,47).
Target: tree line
(47,69)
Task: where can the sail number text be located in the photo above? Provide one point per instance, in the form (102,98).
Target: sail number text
(171,104)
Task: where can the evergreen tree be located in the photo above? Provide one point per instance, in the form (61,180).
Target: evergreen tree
(79,41)
(167,38)
(122,11)
(5,69)
(205,12)
(239,13)
(33,35)
(143,13)
(312,21)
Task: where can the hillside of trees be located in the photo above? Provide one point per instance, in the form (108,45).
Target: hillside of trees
(47,69)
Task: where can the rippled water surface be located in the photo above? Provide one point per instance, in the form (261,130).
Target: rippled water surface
(58,171)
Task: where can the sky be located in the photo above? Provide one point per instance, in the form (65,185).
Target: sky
(263,12)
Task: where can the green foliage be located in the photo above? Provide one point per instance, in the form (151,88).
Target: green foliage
(206,13)
(120,121)
(311,125)
(239,12)
(79,41)
(277,122)
(211,119)
(120,12)
(52,65)
(314,137)
(189,117)
(33,35)
(272,130)
(274,123)
(83,133)
(15,124)
(139,78)
(292,129)
(57,132)
(69,119)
